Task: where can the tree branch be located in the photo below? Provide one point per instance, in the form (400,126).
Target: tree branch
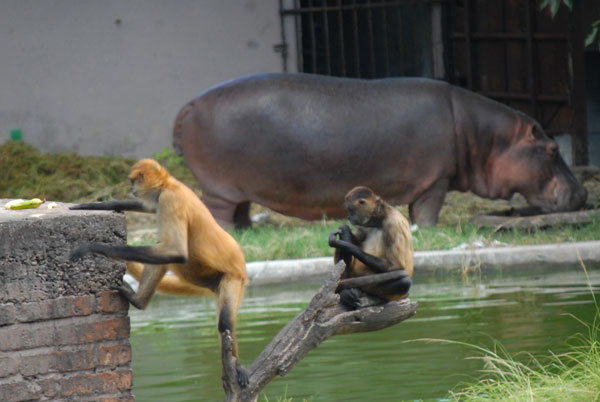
(323,318)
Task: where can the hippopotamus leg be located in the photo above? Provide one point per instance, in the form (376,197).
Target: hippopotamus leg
(424,210)
(228,213)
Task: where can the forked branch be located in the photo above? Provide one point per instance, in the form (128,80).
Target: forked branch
(325,316)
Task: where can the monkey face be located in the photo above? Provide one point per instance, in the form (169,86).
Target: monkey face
(147,178)
(361,204)
(360,211)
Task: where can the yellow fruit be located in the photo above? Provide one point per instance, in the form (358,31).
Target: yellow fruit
(24,204)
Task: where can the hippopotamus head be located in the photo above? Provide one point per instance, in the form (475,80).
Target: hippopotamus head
(528,162)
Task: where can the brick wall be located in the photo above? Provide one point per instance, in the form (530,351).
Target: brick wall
(64,335)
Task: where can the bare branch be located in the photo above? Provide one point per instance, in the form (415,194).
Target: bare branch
(324,317)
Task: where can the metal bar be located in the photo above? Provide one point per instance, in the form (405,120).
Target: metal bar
(342,47)
(354,6)
(505,49)
(356,44)
(531,59)
(313,40)
(283,38)
(299,52)
(371,39)
(469,43)
(327,48)
(510,36)
(386,53)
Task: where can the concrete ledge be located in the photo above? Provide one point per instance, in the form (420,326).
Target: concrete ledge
(550,255)
(35,245)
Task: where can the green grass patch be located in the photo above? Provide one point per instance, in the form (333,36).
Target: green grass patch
(272,242)
(309,239)
(573,376)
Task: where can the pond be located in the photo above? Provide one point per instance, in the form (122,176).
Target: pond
(176,355)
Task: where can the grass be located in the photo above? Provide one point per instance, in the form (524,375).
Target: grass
(573,376)
(568,377)
(271,241)
(68,177)
(29,173)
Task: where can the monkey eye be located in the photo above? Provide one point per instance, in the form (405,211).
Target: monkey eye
(361,201)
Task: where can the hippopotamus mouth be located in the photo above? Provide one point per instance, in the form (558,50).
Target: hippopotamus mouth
(557,198)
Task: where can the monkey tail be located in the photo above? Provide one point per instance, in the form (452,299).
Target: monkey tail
(169,283)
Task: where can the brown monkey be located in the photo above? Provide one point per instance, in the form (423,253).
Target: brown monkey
(191,244)
(382,243)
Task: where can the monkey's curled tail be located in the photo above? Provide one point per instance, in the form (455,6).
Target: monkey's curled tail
(169,283)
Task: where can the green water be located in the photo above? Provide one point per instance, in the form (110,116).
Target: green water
(176,354)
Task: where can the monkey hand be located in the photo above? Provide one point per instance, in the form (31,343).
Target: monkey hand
(345,232)
(333,238)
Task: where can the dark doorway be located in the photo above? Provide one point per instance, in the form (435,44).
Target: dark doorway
(365,38)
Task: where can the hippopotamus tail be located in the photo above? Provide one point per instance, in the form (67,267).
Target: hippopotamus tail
(178,128)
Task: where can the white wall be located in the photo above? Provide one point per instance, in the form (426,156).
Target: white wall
(108,76)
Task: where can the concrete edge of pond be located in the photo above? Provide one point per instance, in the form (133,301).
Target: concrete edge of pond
(559,254)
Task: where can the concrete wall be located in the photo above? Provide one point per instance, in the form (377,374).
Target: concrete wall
(108,77)
(64,335)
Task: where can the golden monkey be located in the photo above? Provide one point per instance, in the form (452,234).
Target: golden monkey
(191,244)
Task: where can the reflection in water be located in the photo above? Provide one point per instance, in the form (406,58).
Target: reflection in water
(176,353)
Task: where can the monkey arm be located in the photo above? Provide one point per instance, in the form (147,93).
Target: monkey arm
(143,254)
(119,206)
(375,263)
(374,279)
(345,234)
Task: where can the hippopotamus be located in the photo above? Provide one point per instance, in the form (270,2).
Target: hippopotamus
(296,143)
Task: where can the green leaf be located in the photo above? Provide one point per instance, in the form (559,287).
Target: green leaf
(554,7)
(592,36)
(544,4)
(568,3)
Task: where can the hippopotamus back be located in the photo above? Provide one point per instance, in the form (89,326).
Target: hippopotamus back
(297,143)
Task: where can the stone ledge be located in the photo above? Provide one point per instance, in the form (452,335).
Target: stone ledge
(35,245)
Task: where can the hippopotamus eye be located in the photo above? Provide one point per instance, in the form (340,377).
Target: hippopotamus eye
(552,149)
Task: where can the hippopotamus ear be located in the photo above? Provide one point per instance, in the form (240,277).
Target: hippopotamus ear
(532,133)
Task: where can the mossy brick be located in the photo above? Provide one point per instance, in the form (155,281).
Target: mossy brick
(7,314)
(85,384)
(117,399)
(9,365)
(20,390)
(61,307)
(111,302)
(90,356)
(27,336)
(103,329)
(74,331)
